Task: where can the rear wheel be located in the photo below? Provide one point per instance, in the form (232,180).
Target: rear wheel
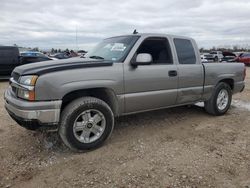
(220,101)
(86,123)
(216,59)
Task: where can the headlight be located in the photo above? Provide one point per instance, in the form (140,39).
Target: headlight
(28,80)
(27,89)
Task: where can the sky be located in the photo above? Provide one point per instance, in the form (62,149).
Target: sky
(52,23)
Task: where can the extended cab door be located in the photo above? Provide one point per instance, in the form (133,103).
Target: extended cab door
(151,86)
(190,71)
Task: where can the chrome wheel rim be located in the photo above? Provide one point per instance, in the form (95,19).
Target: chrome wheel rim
(89,126)
(222,99)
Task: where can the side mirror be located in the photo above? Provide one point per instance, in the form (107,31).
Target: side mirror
(143,59)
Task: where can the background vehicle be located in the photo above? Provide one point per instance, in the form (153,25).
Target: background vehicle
(244,58)
(81,52)
(32,53)
(60,56)
(203,59)
(228,57)
(32,57)
(120,76)
(9,59)
(217,55)
(207,57)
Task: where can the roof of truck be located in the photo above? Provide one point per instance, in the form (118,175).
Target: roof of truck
(155,35)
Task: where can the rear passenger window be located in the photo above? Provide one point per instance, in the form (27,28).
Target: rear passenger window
(185,51)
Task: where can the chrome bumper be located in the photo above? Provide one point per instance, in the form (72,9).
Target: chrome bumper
(45,112)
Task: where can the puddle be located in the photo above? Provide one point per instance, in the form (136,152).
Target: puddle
(241,104)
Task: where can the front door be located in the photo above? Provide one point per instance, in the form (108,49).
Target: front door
(151,86)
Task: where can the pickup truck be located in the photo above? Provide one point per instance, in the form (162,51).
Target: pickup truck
(217,55)
(122,75)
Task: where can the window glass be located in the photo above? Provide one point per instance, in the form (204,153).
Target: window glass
(185,51)
(159,49)
(115,49)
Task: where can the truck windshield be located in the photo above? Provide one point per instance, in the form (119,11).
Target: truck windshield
(114,49)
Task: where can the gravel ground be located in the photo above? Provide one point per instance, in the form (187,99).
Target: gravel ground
(179,147)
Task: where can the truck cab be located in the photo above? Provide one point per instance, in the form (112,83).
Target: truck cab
(173,77)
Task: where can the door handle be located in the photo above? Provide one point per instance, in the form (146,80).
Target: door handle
(172,73)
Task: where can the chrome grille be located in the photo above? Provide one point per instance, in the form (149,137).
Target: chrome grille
(15,77)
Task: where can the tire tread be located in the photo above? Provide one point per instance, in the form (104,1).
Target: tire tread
(70,108)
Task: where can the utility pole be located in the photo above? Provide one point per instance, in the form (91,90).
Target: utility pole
(76,39)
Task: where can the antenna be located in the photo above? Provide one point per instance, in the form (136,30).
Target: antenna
(135,32)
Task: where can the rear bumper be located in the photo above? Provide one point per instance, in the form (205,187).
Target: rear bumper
(25,112)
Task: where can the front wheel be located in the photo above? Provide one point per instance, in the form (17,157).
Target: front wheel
(220,101)
(86,123)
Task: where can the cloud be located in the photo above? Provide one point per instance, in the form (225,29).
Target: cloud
(53,23)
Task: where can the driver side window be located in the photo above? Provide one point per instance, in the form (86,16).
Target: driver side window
(158,48)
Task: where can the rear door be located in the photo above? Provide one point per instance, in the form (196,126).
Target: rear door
(190,71)
(151,86)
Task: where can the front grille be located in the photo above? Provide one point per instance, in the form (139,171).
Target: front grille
(15,76)
(14,89)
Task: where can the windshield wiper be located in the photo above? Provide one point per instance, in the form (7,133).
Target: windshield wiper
(96,57)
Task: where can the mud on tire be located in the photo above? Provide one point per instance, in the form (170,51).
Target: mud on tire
(212,107)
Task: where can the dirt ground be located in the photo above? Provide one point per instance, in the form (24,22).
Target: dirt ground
(179,147)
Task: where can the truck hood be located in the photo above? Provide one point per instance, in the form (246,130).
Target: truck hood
(59,65)
(228,54)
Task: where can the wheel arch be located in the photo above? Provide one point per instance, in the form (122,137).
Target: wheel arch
(105,94)
(229,81)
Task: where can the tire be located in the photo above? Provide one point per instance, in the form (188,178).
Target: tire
(216,59)
(212,106)
(78,128)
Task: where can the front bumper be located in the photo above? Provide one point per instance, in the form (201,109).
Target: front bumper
(37,113)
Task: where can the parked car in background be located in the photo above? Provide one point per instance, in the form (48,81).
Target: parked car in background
(32,57)
(206,57)
(203,59)
(228,57)
(244,58)
(31,53)
(9,59)
(217,55)
(59,56)
(81,52)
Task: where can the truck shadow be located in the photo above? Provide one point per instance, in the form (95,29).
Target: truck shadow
(136,123)
(172,115)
